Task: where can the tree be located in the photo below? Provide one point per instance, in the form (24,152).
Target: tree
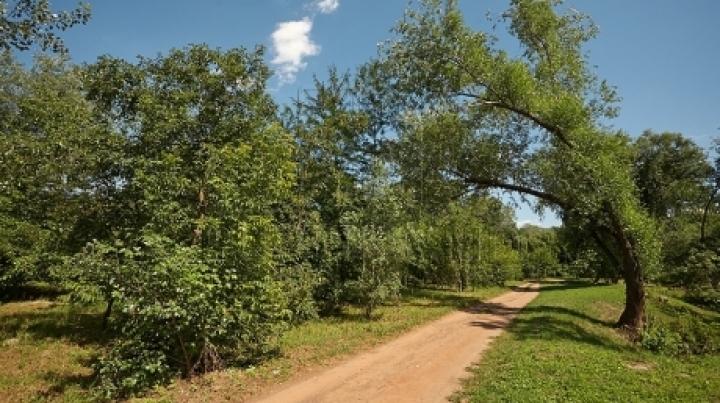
(538,248)
(208,161)
(24,23)
(674,179)
(531,125)
(330,163)
(57,167)
(671,172)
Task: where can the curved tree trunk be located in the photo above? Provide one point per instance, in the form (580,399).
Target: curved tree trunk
(634,312)
(632,317)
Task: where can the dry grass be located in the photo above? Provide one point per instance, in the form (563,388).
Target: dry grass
(47,349)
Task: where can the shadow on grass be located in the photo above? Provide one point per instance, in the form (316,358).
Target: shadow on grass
(438,298)
(548,322)
(444,297)
(76,326)
(541,326)
(29,292)
(565,285)
(352,317)
(61,383)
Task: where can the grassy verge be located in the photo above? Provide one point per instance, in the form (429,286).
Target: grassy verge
(46,349)
(323,342)
(563,347)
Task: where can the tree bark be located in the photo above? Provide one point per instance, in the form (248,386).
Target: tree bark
(632,316)
(108,311)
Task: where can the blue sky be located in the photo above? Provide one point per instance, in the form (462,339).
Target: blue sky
(663,55)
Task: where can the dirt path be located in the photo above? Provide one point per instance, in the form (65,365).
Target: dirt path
(425,365)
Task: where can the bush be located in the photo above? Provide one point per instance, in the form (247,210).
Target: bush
(706,298)
(657,338)
(185,314)
(378,259)
(686,335)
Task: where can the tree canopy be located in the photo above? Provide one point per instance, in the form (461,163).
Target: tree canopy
(531,124)
(24,23)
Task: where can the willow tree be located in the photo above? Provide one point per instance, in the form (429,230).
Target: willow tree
(530,122)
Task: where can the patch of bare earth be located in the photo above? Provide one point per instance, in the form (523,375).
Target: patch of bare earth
(639,366)
(424,365)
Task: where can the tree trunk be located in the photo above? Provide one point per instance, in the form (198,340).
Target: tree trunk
(708,204)
(632,317)
(108,311)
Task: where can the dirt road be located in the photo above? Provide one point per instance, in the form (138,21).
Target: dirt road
(425,365)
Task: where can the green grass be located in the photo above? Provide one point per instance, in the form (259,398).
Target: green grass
(563,348)
(47,348)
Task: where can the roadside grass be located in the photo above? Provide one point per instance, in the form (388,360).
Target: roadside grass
(47,348)
(320,343)
(563,347)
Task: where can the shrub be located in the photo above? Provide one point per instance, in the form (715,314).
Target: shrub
(684,335)
(185,314)
(657,338)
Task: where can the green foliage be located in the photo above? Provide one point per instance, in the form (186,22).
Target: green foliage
(707,298)
(531,124)
(24,23)
(375,245)
(671,172)
(184,313)
(539,250)
(659,339)
(99,272)
(203,281)
(704,267)
(463,246)
(674,178)
(686,334)
(57,168)
(377,257)
(540,263)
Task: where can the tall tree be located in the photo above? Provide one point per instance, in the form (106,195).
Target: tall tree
(208,160)
(674,179)
(57,166)
(531,124)
(672,173)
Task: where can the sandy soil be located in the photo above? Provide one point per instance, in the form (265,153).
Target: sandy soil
(425,365)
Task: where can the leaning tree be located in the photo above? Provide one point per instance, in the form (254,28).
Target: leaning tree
(531,122)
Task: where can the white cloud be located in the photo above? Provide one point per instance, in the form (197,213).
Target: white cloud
(327,6)
(291,42)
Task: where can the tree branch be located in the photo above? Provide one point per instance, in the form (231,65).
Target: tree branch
(516,188)
(556,131)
